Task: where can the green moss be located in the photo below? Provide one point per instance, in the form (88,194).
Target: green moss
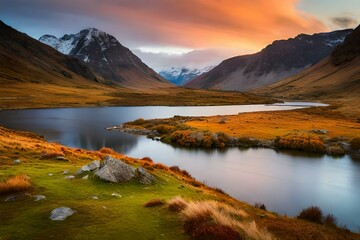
(107,217)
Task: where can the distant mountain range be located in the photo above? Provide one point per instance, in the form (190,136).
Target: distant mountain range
(104,54)
(275,62)
(335,78)
(182,75)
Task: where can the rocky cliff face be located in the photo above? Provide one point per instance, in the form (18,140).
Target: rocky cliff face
(278,60)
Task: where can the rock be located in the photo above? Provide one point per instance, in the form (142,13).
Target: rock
(71,177)
(156,138)
(66,172)
(10,199)
(114,170)
(94,165)
(59,214)
(17,161)
(86,177)
(143,176)
(94,197)
(38,197)
(50,174)
(319,131)
(61,158)
(116,195)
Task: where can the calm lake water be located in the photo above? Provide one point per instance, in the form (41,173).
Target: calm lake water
(285,181)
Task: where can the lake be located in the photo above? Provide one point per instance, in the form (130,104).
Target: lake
(285,182)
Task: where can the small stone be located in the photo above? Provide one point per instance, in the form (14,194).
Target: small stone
(17,161)
(85,177)
(71,177)
(104,207)
(61,158)
(94,197)
(50,174)
(10,199)
(59,214)
(38,197)
(66,172)
(116,195)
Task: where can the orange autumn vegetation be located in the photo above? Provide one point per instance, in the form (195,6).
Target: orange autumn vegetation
(14,184)
(269,125)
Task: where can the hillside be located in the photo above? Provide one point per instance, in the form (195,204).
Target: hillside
(277,61)
(34,75)
(103,53)
(335,79)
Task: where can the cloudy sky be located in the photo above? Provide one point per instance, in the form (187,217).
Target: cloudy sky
(191,33)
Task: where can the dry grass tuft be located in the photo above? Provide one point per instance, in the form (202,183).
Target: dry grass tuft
(53,154)
(106,150)
(154,203)
(216,220)
(15,184)
(177,204)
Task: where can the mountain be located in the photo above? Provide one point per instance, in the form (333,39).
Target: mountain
(277,61)
(335,79)
(103,53)
(181,76)
(24,59)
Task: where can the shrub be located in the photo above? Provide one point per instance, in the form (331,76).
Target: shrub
(15,184)
(175,169)
(107,150)
(260,206)
(177,204)
(147,159)
(160,166)
(304,142)
(139,121)
(195,183)
(330,220)
(312,214)
(355,143)
(186,173)
(154,203)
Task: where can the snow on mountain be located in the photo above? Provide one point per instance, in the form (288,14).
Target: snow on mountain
(181,75)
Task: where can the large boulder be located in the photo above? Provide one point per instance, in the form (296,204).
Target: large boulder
(114,170)
(94,165)
(61,213)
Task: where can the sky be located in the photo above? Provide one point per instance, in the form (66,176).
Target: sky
(183,33)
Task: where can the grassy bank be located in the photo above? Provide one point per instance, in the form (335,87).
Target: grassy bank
(316,129)
(123,214)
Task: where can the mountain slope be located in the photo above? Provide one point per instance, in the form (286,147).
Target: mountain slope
(103,53)
(181,76)
(335,79)
(277,61)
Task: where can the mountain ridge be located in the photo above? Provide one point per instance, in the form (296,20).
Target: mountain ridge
(278,60)
(182,75)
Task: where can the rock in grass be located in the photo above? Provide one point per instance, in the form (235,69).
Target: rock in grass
(17,161)
(66,172)
(143,176)
(116,195)
(10,199)
(94,165)
(114,170)
(38,197)
(59,214)
(71,177)
(86,177)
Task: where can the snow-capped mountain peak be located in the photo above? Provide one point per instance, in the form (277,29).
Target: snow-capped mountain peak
(182,75)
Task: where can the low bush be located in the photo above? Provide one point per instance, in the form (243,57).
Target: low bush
(14,184)
(177,204)
(330,220)
(175,169)
(260,206)
(53,154)
(154,203)
(312,214)
(107,150)
(355,143)
(304,142)
(139,121)
(147,159)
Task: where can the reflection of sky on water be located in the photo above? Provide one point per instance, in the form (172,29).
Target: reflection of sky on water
(286,181)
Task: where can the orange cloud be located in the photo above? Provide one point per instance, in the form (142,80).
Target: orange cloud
(239,24)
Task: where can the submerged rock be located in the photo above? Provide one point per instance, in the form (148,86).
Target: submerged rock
(94,165)
(114,170)
(59,214)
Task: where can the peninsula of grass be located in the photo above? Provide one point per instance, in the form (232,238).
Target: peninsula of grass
(317,130)
(176,206)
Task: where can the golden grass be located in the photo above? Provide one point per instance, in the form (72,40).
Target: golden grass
(269,125)
(14,184)
(216,220)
